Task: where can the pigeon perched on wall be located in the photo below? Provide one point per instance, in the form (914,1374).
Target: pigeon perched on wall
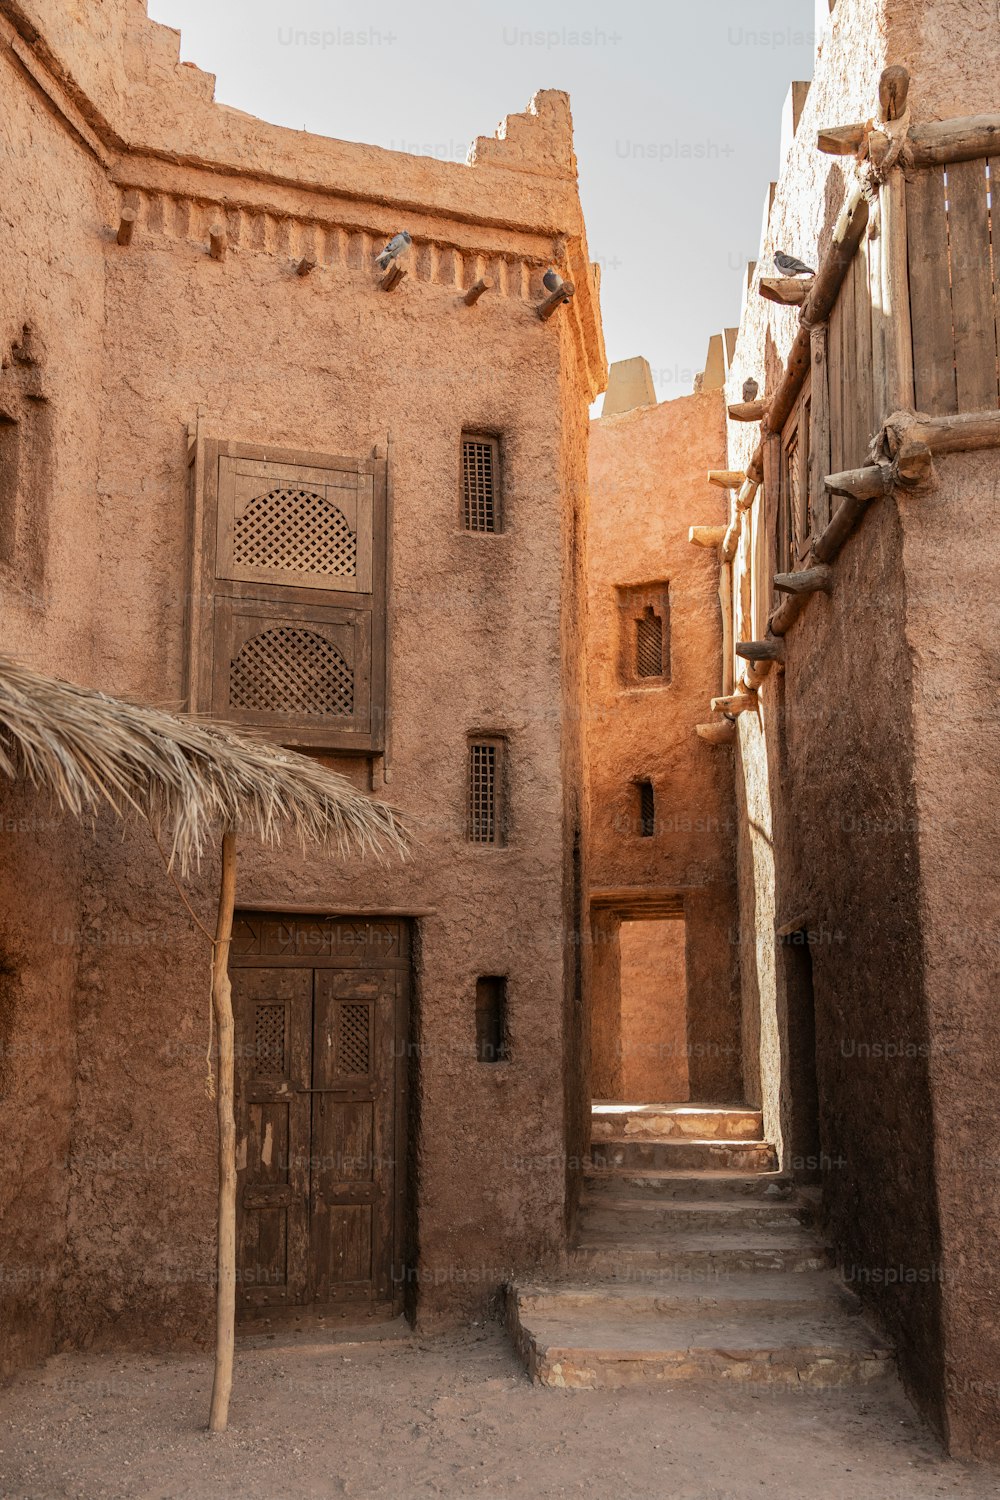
(750,389)
(552,281)
(789,266)
(393,250)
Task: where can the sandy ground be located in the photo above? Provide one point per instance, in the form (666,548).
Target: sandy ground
(448,1416)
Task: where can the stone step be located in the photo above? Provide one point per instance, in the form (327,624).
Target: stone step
(683,1155)
(615,1183)
(629,1254)
(675,1121)
(817,1293)
(587,1350)
(650,1215)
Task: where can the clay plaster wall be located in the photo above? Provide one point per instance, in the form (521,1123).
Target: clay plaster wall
(864,809)
(648,485)
(484,632)
(654,1011)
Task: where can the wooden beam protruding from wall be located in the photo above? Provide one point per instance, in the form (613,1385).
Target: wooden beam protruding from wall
(719,732)
(126,226)
(788,291)
(814,580)
(747,411)
(393,276)
(472,296)
(217,242)
(706,536)
(555,300)
(305,265)
(726,479)
(735,703)
(766,650)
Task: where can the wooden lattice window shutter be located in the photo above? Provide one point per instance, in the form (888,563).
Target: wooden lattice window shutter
(485,791)
(480,482)
(644,611)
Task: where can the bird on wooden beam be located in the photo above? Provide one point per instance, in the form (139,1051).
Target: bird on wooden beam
(788,265)
(750,389)
(396,247)
(552,281)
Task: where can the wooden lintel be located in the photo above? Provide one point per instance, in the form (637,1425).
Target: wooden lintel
(726,479)
(864,484)
(555,300)
(768,650)
(472,296)
(747,411)
(841,140)
(964,138)
(305,265)
(217,243)
(706,536)
(814,580)
(960,433)
(718,732)
(393,276)
(734,703)
(789,291)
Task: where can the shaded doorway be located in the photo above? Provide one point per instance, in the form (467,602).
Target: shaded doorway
(321,1008)
(639,1012)
(803,1084)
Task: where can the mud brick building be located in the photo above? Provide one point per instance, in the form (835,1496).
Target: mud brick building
(242,475)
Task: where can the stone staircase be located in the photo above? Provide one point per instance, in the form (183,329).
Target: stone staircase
(694,1259)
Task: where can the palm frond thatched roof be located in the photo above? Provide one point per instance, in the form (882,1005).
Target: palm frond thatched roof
(188,777)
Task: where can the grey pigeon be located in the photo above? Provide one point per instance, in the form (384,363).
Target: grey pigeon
(395,247)
(552,281)
(789,266)
(750,389)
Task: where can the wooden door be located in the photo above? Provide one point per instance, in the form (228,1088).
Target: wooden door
(273,1010)
(321,1024)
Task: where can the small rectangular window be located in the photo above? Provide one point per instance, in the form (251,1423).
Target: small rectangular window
(491,1019)
(644,652)
(485,791)
(647,810)
(649,644)
(480,482)
(9,477)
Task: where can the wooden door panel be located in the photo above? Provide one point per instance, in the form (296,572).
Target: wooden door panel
(273,1009)
(353,1176)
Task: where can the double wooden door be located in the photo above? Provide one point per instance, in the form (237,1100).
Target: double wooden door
(321,1024)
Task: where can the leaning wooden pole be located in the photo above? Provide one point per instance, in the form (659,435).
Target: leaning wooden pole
(222,1005)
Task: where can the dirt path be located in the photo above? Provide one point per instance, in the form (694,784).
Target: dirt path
(446,1416)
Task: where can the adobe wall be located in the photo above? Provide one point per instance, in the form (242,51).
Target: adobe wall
(654,1011)
(862,819)
(648,485)
(484,633)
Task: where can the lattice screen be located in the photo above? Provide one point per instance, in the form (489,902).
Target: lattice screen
(483,794)
(649,644)
(269,1041)
(479,483)
(647,810)
(295,531)
(291,670)
(353,1038)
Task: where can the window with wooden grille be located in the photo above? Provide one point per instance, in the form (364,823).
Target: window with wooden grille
(290,600)
(647,809)
(492,1044)
(485,791)
(480,482)
(792,538)
(644,613)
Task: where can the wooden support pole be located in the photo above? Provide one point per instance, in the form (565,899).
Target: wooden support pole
(847,515)
(787,612)
(222,1005)
(747,494)
(893,91)
(767,650)
(472,296)
(819,430)
(217,244)
(731,540)
(126,226)
(726,479)
(788,291)
(735,703)
(555,300)
(719,732)
(807,581)
(305,265)
(961,433)
(392,276)
(755,676)
(726,606)
(706,536)
(747,411)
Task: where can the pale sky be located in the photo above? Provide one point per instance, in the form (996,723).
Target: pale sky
(676,108)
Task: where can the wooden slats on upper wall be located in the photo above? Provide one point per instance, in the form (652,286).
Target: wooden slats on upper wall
(952,288)
(850,367)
